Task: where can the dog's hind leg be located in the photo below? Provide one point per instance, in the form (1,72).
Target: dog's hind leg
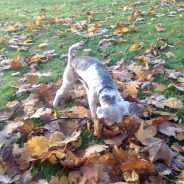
(69,79)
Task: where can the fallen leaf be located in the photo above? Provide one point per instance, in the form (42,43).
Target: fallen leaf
(169,129)
(44,44)
(130,162)
(116,140)
(173,103)
(17,62)
(136,46)
(121,30)
(159,120)
(159,150)
(131,176)
(159,28)
(95,149)
(36,146)
(41,112)
(144,134)
(26,128)
(131,90)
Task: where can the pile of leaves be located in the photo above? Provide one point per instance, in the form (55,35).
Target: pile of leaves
(138,149)
(144,148)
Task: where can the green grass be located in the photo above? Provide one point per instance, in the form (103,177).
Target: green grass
(25,11)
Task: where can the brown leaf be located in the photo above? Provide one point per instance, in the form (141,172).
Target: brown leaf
(79,111)
(171,115)
(32,78)
(159,150)
(159,28)
(144,134)
(158,120)
(26,128)
(116,140)
(17,62)
(109,133)
(169,129)
(130,162)
(131,90)
(131,124)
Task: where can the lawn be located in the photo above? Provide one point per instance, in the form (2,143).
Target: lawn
(165,28)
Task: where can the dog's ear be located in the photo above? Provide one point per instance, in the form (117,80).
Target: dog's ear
(124,105)
(101,112)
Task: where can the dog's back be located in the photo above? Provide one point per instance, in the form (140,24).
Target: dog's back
(92,71)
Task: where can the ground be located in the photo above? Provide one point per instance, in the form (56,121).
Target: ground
(107,12)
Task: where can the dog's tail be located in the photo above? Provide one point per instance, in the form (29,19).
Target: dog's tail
(78,45)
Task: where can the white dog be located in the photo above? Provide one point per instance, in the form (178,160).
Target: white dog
(99,86)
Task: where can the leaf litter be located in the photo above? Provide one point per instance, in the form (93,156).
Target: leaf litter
(136,150)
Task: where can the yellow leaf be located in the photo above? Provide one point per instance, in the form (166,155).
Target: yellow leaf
(121,30)
(135,46)
(129,18)
(41,45)
(131,176)
(37,146)
(37,58)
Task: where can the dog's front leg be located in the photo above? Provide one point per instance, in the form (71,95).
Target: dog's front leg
(92,103)
(69,79)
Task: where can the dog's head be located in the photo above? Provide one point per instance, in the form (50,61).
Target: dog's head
(113,113)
